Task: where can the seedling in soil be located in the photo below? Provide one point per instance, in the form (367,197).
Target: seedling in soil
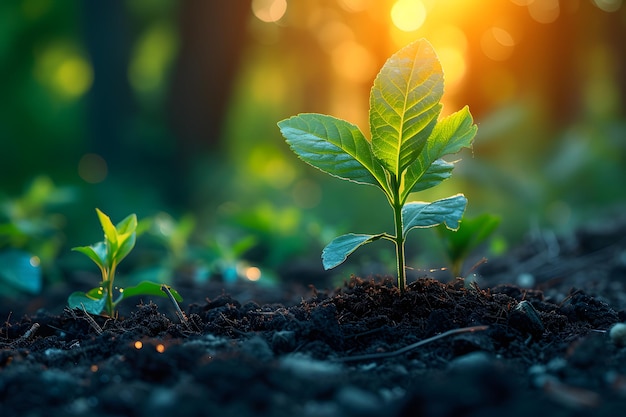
(118,241)
(402,156)
(472,232)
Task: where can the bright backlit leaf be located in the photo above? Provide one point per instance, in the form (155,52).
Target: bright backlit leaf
(404,105)
(333,146)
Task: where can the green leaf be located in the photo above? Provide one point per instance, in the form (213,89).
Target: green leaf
(334,146)
(92,305)
(451,134)
(404,105)
(127,226)
(126,244)
(338,250)
(96,252)
(448,211)
(149,288)
(110,232)
(436,173)
(473,232)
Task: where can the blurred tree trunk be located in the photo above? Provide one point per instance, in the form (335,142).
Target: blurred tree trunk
(107,39)
(212,36)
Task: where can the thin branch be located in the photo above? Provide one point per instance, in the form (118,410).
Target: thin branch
(405,349)
(179,313)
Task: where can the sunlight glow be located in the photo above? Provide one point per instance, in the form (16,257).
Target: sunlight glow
(269,10)
(408,15)
(344,57)
(450,43)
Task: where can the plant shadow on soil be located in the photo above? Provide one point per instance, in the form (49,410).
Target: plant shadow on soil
(545,350)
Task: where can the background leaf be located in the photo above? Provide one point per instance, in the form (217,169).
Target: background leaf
(404,105)
(448,211)
(20,272)
(334,146)
(338,250)
(469,236)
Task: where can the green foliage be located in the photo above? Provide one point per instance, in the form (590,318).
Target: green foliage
(473,232)
(31,235)
(403,155)
(118,241)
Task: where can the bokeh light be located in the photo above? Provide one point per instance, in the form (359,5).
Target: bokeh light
(497,44)
(408,15)
(544,11)
(269,10)
(92,168)
(608,5)
(344,57)
(62,68)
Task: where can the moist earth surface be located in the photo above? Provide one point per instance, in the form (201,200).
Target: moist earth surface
(531,336)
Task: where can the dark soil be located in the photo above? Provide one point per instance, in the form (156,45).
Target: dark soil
(542,350)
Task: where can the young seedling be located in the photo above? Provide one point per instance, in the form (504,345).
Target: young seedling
(118,241)
(471,233)
(403,154)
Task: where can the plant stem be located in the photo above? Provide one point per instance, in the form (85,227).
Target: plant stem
(109,303)
(399,238)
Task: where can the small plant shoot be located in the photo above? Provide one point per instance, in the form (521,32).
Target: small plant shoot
(404,152)
(118,241)
(459,244)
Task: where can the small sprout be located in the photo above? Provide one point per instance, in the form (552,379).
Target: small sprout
(403,155)
(472,232)
(118,241)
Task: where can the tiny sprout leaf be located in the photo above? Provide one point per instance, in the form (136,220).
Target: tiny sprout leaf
(404,105)
(471,234)
(448,211)
(149,288)
(110,233)
(81,300)
(127,226)
(118,242)
(126,244)
(334,146)
(338,250)
(96,252)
